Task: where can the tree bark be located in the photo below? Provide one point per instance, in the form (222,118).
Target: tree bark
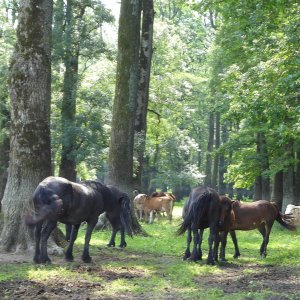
(208,168)
(67,167)
(288,178)
(143,88)
(120,159)
(222,164)
(215,172)
(277,188)
(297,180)
(4,148)
(262,183)
(29,89)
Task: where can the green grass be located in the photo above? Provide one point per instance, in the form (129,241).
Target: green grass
(155,267)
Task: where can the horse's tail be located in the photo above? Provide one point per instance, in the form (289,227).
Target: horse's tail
(284,219)
(43,212)
(125,215)
(194,214)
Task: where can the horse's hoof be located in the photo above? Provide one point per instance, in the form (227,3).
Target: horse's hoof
(122,245)
(236,255)
(110,245)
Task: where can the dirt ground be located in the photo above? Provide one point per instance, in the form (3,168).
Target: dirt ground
(285,281)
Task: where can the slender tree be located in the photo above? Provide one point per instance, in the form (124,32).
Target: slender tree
(29,89)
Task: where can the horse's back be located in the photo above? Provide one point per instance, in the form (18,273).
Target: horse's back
(249,216)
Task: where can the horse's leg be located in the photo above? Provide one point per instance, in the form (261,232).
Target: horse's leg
(123,243)
(262,230)
(195,254)
(169,214)
(187,252)
(211,240)
(69,251)
(200,243)
(151,217)
(236,247)
(113,237)
(85,254)
(46,231)
(223,239)
(268,228)
(68,231)
(37,234)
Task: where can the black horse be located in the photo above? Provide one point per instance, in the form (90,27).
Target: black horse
(58,199)
(202,210)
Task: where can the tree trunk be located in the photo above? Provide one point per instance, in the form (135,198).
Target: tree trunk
(277,188)
(215,172)
(143,88)
(297,181)
(4,148)
(68,109)
(29,88)
(257,189)
(208,168)
(288,178)
(222,164)
(262,184)
(120,159)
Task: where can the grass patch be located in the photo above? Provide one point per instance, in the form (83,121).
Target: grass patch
(152,268)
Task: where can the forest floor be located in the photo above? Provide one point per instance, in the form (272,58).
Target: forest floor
(151,268)
(235,278)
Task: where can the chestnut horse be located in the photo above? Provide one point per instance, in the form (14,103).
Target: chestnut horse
(259,215)
(57,199)
(202,210)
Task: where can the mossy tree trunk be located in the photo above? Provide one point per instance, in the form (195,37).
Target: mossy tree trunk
(120,170)
(143,89)
(29,88)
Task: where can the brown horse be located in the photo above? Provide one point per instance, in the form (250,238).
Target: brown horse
(259,215)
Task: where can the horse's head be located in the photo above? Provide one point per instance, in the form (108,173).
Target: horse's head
(226,213)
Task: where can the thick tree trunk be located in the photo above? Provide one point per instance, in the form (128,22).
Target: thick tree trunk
(29,88)
(143,88)
(120,169)
(208,168)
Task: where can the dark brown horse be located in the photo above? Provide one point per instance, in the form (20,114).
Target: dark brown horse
(259,215)
(202,210)
(57,199)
